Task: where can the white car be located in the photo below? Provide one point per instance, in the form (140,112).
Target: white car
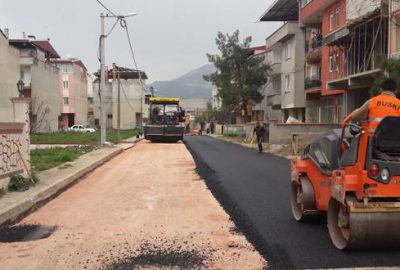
(80,128)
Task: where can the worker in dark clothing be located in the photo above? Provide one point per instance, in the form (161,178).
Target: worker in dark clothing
(259,131)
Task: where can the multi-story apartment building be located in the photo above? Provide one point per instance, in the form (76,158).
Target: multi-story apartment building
(353,34)
(73,91)
(41,82)
(9,76)
(286,56)
(132,103)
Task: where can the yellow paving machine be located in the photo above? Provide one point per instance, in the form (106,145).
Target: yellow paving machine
(166,120)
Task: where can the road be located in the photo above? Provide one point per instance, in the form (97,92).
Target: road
(145,208)
(254,190)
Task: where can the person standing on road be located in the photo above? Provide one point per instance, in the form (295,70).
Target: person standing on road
(259,131)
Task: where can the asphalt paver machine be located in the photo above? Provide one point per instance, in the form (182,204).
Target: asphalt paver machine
(353,175)
(165,120)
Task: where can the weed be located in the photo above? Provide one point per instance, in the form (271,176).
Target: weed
(18,183)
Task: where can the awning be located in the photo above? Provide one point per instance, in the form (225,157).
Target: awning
(282,11)
(335,36)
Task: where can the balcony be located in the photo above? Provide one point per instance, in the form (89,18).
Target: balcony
(312,82)
(311,13)
(276,69)
(313,48)
(284,32)
(274,100)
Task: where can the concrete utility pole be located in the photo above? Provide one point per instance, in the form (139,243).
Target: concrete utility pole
(103,120)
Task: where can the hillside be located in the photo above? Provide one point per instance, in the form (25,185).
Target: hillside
(189,86)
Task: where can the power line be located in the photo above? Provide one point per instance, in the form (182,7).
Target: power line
(106,8)
(124,25)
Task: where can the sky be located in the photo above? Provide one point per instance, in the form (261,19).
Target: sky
(171,37)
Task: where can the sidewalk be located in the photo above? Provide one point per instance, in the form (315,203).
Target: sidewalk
(14,205)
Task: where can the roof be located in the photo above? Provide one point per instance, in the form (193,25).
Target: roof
(282,11)
(43,45)
(126,73)
(69,61)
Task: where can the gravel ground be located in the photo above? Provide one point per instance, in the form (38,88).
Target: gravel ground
(145,209)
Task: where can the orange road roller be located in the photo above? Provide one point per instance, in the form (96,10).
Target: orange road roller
(353,175)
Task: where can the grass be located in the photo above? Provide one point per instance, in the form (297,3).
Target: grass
(63,137)
(44,159)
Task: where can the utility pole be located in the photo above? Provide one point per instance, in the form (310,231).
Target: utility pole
(103,120)
(119,105)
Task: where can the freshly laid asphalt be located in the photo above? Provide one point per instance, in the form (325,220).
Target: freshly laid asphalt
(254,189)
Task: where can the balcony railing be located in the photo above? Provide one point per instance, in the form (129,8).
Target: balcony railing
(314,43)
(312,82)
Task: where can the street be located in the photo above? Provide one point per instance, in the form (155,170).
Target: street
(254,190)
(145,208)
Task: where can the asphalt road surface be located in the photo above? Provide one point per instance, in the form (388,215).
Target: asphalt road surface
(254,189)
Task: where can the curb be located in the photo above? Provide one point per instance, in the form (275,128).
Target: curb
(31,203)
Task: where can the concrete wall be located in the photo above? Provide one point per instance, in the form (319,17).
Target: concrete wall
(237,130)
(132,103)
(45,85)
(9,76)
(357,9)
(282,133)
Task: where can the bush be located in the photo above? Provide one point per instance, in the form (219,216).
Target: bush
(18,183)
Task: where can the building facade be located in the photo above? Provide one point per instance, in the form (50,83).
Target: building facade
(287,58)
(9,76)
(41,82)
(73,89)
(133,109)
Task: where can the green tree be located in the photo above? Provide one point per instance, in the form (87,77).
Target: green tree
(239,75)
(389,68)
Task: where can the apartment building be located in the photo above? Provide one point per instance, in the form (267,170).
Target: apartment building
(286,55)
(9,76)
(41,81)
(353,34)
(132,104)
(73,89)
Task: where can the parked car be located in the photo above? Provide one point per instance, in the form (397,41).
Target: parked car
(80,128)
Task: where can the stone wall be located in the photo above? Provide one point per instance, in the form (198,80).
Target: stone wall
(15,142)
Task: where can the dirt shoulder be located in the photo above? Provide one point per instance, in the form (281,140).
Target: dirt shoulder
(145,208)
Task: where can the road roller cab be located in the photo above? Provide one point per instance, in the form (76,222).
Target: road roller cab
(352,174)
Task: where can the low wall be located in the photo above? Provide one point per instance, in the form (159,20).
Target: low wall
(237,130)
(280,133)
(14,143)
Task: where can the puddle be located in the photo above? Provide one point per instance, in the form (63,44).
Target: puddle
(24,233)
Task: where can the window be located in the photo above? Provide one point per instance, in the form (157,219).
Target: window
(65,84)
(66,101)
(287,50)
(331,22)
(334,62)
(305,2)
(65,68)
(287,81)
(337,22)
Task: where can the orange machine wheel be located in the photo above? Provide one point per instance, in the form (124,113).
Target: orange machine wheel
(302,199)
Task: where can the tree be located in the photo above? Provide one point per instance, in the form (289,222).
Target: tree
(239,75)
(38,115)
(389,68)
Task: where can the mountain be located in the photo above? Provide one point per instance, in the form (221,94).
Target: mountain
(189,86)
